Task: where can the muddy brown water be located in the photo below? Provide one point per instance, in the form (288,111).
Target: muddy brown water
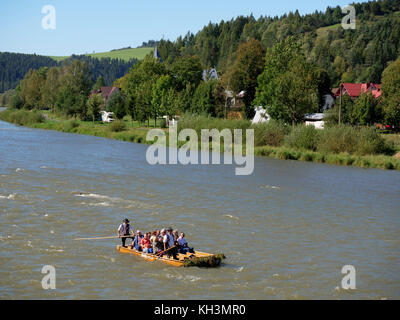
(287,230)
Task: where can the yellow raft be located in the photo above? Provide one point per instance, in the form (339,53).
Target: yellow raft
(200,259)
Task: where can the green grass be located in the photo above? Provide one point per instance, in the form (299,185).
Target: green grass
(344,159)
(125,54)
(324,30)
(135,132)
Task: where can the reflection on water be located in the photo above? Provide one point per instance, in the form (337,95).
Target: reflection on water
(287,230)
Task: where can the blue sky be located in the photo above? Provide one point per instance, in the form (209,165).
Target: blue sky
(98,25)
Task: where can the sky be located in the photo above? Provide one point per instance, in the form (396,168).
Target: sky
(88,26)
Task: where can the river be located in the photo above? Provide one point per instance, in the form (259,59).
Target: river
(287,230)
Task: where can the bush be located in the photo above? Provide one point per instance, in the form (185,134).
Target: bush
(370,142)
(340,139)
(70,125)
(271,133)
(117,126)
(199,122)
(303,137)
(22,117)
(163,124)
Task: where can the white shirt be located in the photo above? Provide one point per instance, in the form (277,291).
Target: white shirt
(182,242)
(170,239)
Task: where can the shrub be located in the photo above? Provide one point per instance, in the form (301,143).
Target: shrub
(163,124)
(271,133)
(117,126)
(338,139)
(362,141)
(70,125)
(303,137)
(22,117)
(199,122)
(370,142)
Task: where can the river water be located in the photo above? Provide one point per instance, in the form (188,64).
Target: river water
(287,230)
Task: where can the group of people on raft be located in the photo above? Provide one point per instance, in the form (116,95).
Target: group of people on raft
(158,242)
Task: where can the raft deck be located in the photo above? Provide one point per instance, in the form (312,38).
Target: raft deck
(188,259)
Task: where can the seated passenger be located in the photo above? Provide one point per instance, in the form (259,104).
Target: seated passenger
(146,244)
(137,241)
(156,242)
(183,245)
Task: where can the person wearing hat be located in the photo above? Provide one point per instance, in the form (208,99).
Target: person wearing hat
(125,231)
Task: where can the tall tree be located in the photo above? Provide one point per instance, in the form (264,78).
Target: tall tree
(288,87)
(117,104)
(94,104)
(391,93)
(248,65)
(187,70)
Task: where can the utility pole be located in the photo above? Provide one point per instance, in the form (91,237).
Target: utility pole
(340,107)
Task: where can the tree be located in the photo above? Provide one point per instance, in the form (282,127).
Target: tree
(139,87)
(51,87)
(99,83)
(288,86)
(117,104)
(31,88)
(187,70)
(365,111)
(203,99)
(391,93)
(248,65)
(94,104)
(159,91)
(75,88)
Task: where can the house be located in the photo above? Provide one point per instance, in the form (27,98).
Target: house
(354,90)
(106,92)
(261,116)
(210,74)
(315,119)
(107,117)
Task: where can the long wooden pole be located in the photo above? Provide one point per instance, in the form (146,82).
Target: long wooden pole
(102,238)
(160,253)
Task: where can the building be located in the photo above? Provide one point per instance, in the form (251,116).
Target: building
(210,74)
(261,116)
(354,90)
(315,119)
(157,54)
(106,92)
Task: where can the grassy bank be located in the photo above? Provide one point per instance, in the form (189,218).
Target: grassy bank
(344,159)
(338,145)
(31,119)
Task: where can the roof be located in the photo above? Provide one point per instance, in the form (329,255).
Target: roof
(355,89)
(106,92)
(314,117)
(157,54)
(211,74)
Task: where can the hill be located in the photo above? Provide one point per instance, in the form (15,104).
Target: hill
(123,54)
(14,66)
(358,55)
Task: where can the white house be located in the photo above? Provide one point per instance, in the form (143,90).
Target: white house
(261,116)
(315,119)
(107,116)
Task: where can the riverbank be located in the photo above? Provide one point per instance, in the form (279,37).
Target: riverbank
(132,132)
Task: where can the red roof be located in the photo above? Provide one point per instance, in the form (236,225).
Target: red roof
(355,89)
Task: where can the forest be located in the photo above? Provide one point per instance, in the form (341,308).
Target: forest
(14,66)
